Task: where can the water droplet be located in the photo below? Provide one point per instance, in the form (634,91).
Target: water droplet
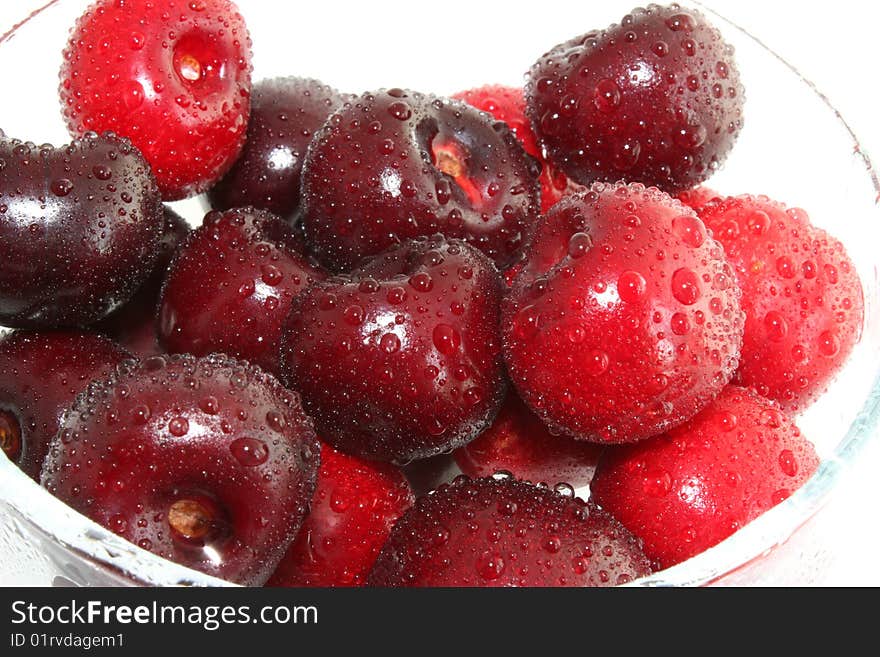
(631,286)
(680,323)
(353,315)
(689,230)
(178,426)
(389,343)
(209,405)
(526,323)
(249,451)
(758,222)
(446,339)
(785,267)
(421,281)
(271,275)
(61,187)
(829,344)
(490,565)
(133,95)
(579,244)
(660,48)
(775,325)
(681,22)
(606,95)
(788,462)
(396,295)
(276,421)
(596,363)
(102,172)
(685,286)
(400,110)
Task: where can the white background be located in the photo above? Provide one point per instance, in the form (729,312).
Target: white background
(833,44)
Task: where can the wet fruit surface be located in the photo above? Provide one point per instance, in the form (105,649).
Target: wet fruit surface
(519,443)
(801,294)
(625,318)
(689,489)
(285,114)
(208,462)
(80,228)
(232,285)
(503,532)
(356,504)
(400,359)
(173,76)
(654,99)
(507,104)
(398,164)
(43,373)
(134,324)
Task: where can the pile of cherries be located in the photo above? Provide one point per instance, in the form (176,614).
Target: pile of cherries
(531,280)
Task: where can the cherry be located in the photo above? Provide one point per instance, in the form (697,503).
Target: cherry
(80,229)
(518,442)
(625,318)
(285,113)
(687,490)
(507,104)
(655,99)
(43,374)
(355,506)
(503,532)
(398,164)
(231,286)
(134,324)
(208,462)
(802,297)
(173,76)
(400,359)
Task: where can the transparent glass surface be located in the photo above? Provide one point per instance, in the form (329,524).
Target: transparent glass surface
(46,543)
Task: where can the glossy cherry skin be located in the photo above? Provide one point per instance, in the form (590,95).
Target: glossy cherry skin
(655,99)
(519,443)
(80,228)
(507,104)
(42,373)
(356,504)
(502,532)
(687,490)
(401,359)
(802,295)
(395,164)
(285,114)
(208,462)
(174,76)
(625,318)
(231,286)
(134,324)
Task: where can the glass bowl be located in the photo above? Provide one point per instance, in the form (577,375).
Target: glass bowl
(46,543)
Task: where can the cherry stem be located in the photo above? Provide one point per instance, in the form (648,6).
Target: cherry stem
(191,519)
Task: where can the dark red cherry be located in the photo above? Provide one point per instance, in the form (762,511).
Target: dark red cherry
(504,532)
(655,99)
(231,286)
(209,462)
(519,443)
(80,228)
(285,114)
(397,164)
(401,359)
(134,324)
(40,376)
